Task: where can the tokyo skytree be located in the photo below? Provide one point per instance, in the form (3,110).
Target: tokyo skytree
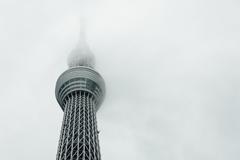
(79,91)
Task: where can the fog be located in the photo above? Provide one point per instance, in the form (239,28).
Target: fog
(171,70)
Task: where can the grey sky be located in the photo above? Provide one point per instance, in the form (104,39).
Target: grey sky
(171,69)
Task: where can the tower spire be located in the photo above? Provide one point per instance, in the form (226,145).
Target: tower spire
(82,42)
(81,54)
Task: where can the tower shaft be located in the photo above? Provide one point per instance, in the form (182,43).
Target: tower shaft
(79,135)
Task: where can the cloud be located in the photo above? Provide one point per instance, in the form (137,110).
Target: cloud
(171,69)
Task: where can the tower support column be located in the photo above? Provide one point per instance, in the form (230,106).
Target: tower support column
(79,135)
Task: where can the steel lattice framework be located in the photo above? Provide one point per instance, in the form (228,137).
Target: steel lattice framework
(79,92)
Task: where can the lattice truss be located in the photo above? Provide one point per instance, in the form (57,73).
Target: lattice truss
(79,135)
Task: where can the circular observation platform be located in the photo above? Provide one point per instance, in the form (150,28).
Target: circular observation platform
(80,79)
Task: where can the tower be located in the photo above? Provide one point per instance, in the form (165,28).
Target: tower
(79,91)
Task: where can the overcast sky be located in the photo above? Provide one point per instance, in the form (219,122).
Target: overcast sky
(171,69)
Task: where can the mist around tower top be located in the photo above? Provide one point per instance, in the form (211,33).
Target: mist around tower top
(81,55)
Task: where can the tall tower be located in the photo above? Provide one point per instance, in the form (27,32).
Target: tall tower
(79,91)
